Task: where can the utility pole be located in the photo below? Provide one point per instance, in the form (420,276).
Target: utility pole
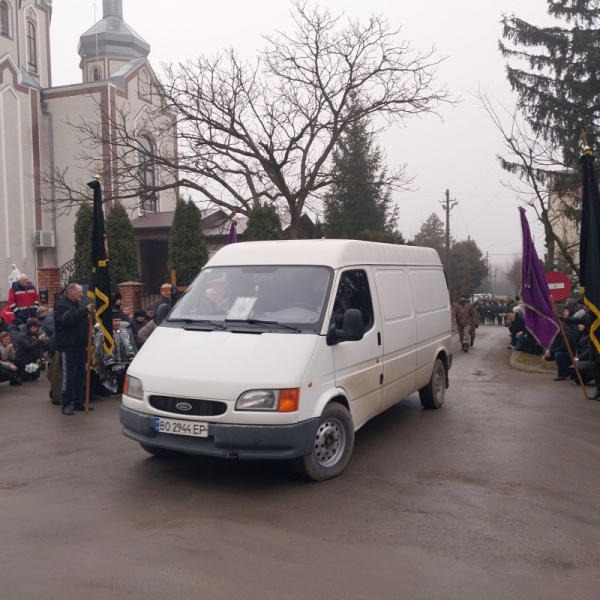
(449,205)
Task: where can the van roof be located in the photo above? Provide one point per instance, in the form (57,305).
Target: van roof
(328,253)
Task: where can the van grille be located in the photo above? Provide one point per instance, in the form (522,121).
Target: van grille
(200,408)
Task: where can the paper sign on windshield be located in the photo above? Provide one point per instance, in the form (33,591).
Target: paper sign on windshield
(242,307)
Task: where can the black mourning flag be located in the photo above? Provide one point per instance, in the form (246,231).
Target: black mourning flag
(590,245)
(100,281)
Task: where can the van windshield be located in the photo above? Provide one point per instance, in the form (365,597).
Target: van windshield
(231,296)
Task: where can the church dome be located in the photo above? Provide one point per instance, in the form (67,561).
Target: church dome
(112,37)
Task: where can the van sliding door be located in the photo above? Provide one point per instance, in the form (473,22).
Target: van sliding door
(399,334)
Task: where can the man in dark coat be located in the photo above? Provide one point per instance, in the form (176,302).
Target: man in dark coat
(71,321)
(164,299)
(588,320)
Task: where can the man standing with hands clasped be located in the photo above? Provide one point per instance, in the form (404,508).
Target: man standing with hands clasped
(71,319)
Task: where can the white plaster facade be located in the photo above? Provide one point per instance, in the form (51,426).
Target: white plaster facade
(34,134)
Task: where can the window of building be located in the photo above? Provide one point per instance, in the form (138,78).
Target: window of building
(96,74)
(32,46)
(5,20)
(353,292)
(148,197)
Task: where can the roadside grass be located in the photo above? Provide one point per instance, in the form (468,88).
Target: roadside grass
(535,362)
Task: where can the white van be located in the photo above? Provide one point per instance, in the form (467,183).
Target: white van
(283,350)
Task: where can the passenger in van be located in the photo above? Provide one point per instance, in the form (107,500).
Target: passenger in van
(466,318)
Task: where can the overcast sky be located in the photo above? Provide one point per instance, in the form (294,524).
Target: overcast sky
(457,152)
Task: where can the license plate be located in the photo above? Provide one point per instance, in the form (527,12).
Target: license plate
(177,427)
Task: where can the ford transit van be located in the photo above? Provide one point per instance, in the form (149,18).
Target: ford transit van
(283,350)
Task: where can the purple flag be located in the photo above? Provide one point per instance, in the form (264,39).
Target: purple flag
(232,239)
(539,313)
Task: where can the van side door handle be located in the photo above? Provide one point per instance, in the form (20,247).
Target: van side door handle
(379,338)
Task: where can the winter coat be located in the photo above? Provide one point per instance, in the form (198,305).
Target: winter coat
(14,331)
(145,332)
(48,326)
(135,327)
(464,315)
(7,355)
(29,348)
(71,322)
(23,301)
(162,301)
(573,335)
(8,315)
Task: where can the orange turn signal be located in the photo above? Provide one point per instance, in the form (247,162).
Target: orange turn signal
(288,400)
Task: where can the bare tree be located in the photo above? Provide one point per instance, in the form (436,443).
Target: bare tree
(541,174)
(261,132)
(514,274)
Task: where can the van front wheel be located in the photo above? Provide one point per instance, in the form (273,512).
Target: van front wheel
(332,446)
(433,394)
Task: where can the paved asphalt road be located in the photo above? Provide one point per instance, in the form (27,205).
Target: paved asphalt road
(496,495)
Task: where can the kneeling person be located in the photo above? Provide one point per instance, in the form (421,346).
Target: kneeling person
(112,368)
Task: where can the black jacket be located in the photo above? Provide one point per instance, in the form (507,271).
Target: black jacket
(160,302)
(28,349)
(71,322)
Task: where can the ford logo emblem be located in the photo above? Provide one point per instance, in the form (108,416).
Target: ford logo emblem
(185,406)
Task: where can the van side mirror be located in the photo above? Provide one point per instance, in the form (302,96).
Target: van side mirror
(353,329)
(354,325)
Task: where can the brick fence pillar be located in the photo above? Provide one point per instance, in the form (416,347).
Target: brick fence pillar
(49,278)
(130,294)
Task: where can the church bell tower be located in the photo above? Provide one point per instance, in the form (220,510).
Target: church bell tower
(110,44)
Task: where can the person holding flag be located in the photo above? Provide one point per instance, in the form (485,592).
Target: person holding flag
(71,319)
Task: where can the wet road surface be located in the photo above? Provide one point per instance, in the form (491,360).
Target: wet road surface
(496,495)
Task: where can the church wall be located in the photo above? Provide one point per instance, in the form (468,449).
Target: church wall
(17,206)
(63,105)
(32,11)
(134,100)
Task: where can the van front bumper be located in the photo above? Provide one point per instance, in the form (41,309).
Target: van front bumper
(247,442)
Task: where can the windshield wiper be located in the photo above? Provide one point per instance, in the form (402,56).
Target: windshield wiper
(260,322)
(195,321)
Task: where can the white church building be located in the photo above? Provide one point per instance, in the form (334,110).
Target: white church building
(35,138)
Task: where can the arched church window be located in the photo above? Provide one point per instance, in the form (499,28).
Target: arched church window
(5,18)
(96,74)
(148,197)
(32,45)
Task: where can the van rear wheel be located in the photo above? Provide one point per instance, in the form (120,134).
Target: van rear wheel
(160,452)
(332,447)
(433,394)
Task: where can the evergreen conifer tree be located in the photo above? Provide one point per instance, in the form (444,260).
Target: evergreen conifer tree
(433,235)
(187,245)
(83,241)
(122,249)
(559,89)
(359,201)
(263,224)
(467,268)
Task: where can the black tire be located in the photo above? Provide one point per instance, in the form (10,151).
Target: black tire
(332,447)
(433,394)
(160,452)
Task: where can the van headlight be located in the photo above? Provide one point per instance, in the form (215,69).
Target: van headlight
(133,387)
(269,400)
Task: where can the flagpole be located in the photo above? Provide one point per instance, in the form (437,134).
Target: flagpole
(88,370)
(566,339)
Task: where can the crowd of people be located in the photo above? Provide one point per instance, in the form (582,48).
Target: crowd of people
(576,321)
(34,338)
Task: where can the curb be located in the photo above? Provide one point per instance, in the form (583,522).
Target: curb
(525,368)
